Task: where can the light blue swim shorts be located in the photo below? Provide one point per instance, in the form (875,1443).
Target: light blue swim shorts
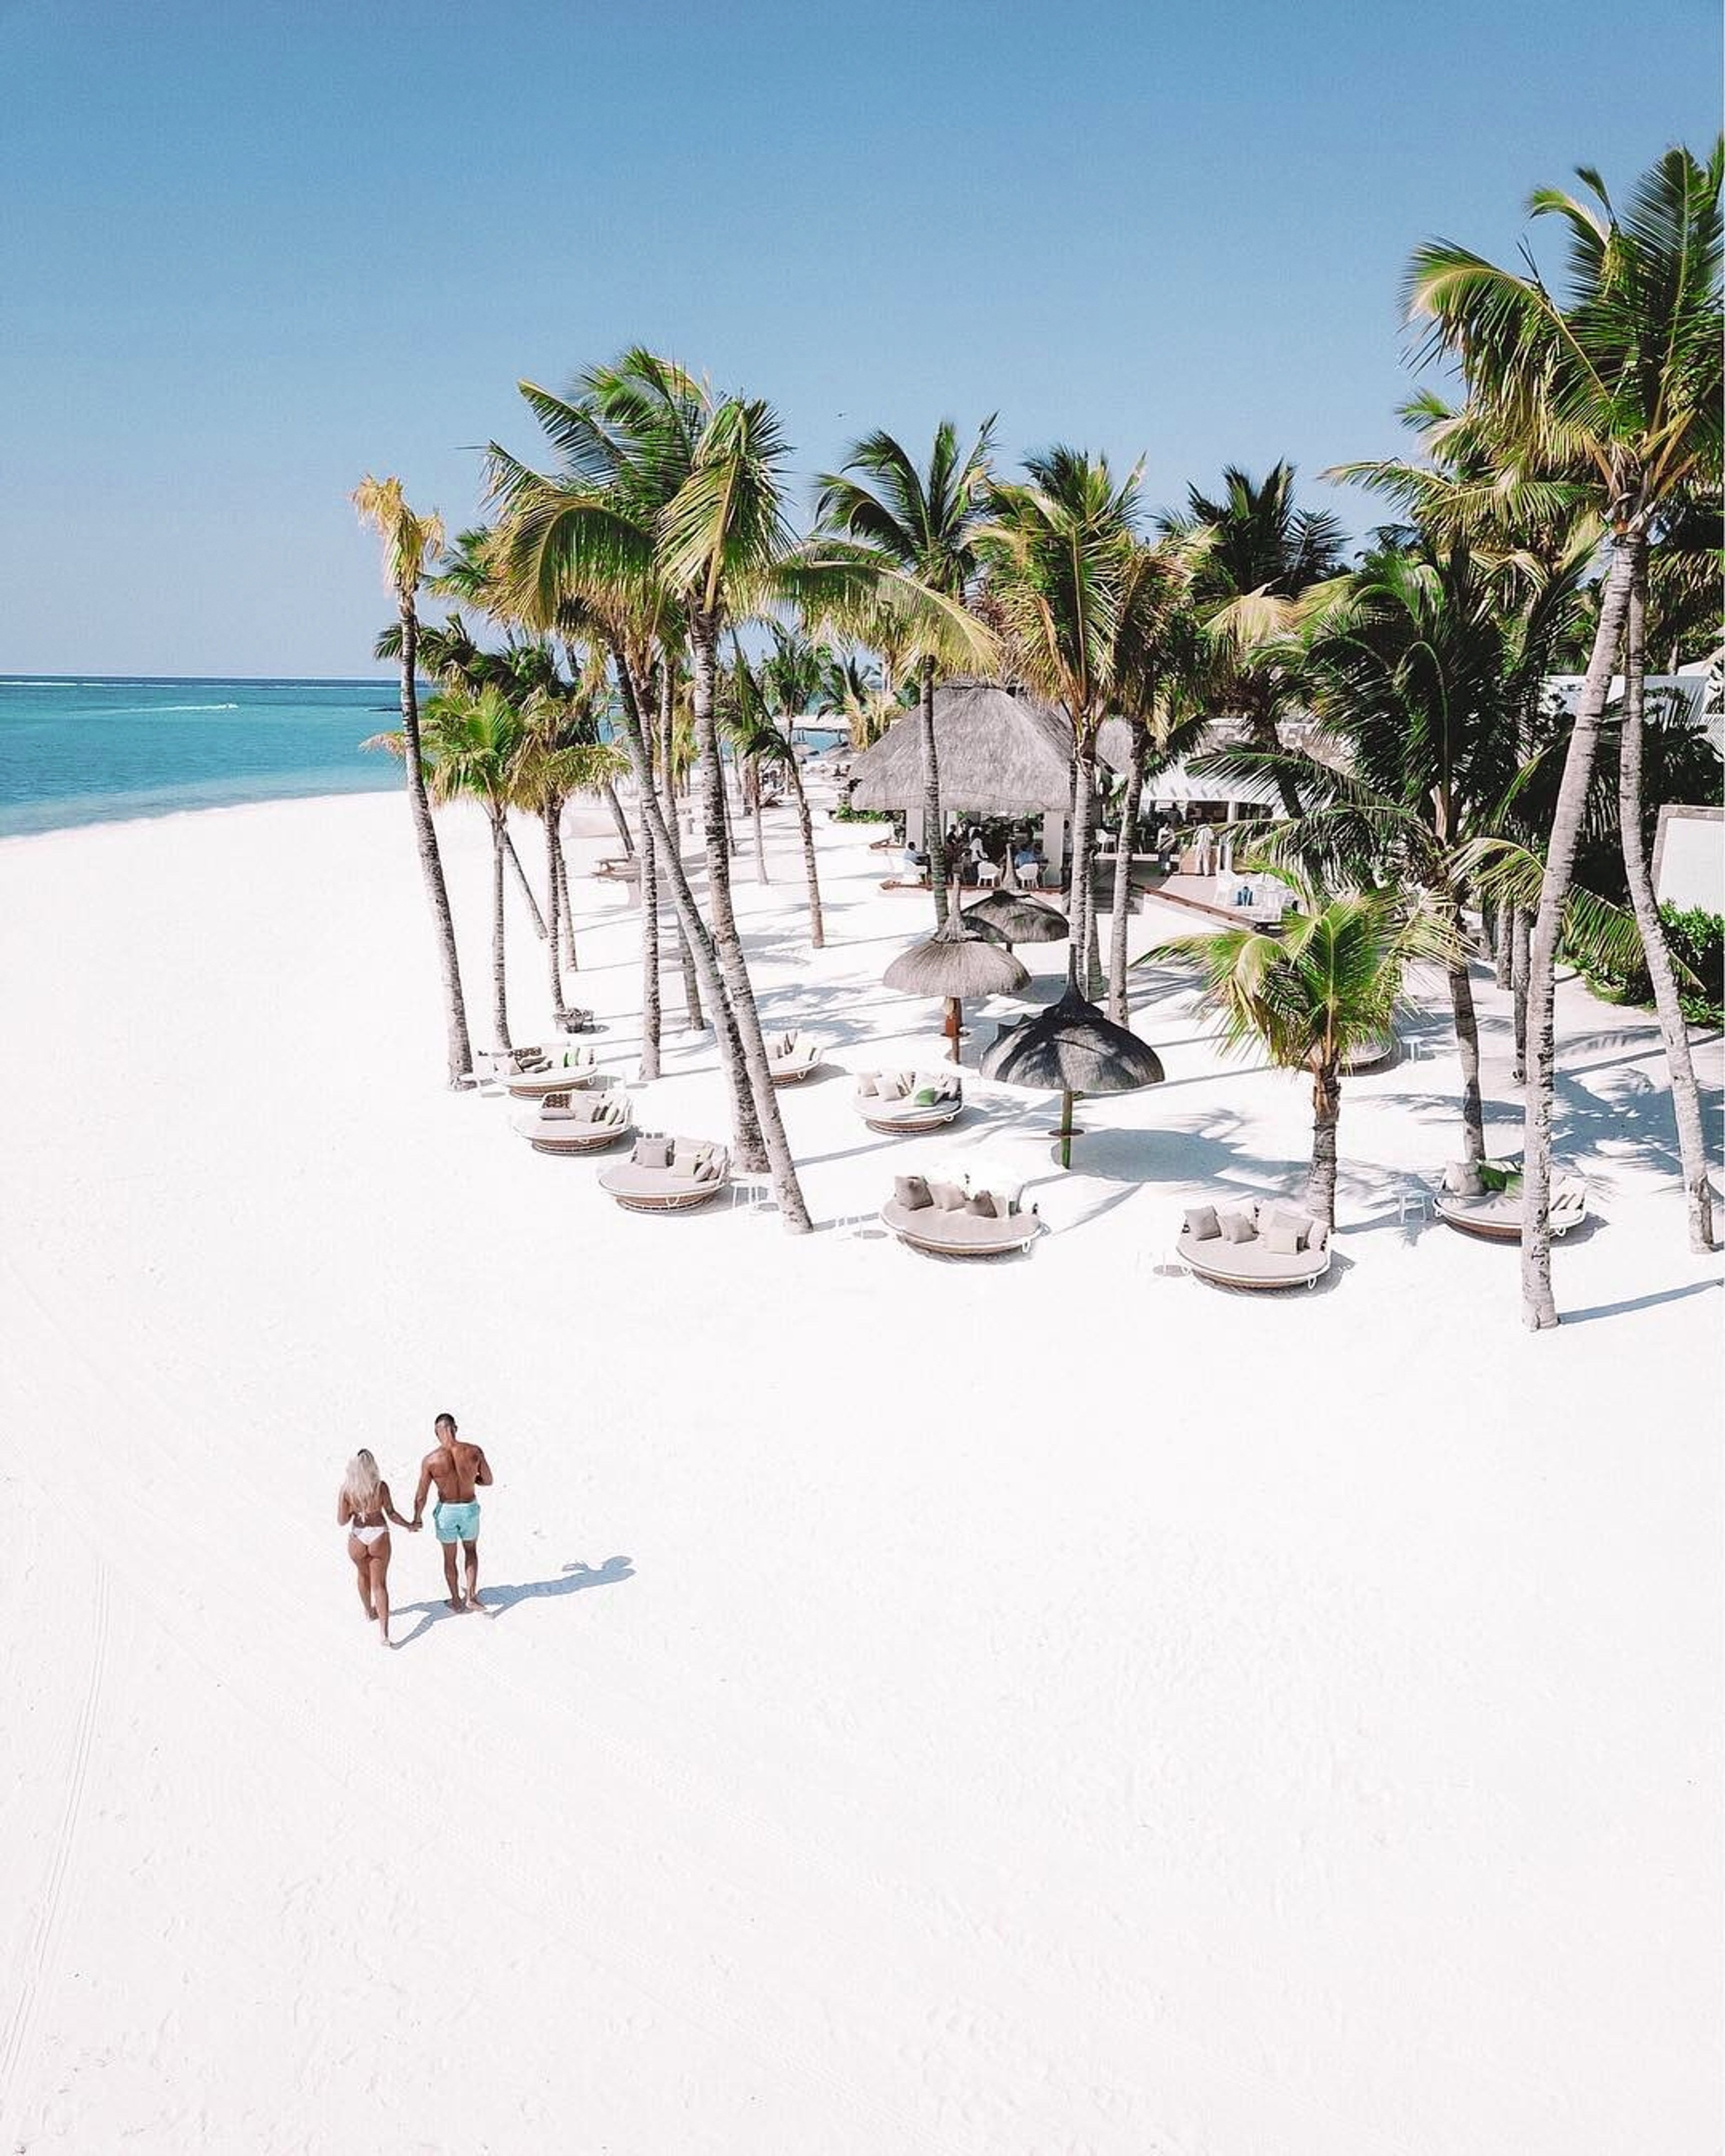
(456,1523)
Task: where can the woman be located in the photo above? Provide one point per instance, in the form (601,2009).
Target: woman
(365,1509)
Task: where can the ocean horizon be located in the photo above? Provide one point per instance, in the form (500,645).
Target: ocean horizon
(105,748)
(96,748)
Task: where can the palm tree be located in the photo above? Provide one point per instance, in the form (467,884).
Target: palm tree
(474,745)
(924,520)
(1621,378)
(1155,672)
(671,504)
(1256,556)
(1315,993)
(409,541)
(765,708)
(1062,562)
(559,757)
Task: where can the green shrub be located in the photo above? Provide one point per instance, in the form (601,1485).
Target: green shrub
(845,813)
(1696,941)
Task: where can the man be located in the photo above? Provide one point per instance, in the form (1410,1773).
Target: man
(458,1470)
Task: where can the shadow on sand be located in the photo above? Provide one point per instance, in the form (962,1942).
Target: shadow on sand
(499,1601)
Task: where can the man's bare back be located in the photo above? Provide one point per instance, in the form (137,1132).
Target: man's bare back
(457,1469)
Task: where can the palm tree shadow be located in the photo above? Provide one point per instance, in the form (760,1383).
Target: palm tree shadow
(497,1601)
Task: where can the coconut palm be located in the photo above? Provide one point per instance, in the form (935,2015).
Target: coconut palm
(671,502)
(409,541)
(474,742)
(1157,682)
(1062,562)
(924,519)
(1316,993)
(766,706)
(1619,376)
(559,758)
(1256,555)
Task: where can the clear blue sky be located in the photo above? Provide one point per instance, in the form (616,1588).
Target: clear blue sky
(252,250)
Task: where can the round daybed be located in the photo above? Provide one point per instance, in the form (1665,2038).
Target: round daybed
(947,1220)
(1253,1252)
(668,1175)
(1496,1214)
(791,1057)
(894,1103)
(578,1123)
(1376,1054)
(559,1070)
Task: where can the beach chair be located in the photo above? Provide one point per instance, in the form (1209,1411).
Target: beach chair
(1257,1243)
(668,1175)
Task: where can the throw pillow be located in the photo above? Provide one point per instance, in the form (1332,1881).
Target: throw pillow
(889,1088)
(1201,1224)
(1282,1237)
(912,1192)
(685,1157)
(867,1086)
(652,1152)
(1236,1227)
(1319,1236)
(984,1205)
(1465,1178)
(947,1196)
(925,1096)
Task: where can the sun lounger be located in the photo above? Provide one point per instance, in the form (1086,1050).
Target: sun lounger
(958,1220)
(578,1123)
(896,1101)
(1488,1202)
(791,1057)
(1254,1243)
(560,1070)
(668,1175)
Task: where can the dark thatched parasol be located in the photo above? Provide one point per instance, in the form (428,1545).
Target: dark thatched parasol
(1072,1048)
(959,960)
(1018,920)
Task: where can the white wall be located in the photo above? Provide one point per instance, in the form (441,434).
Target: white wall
(1689,858)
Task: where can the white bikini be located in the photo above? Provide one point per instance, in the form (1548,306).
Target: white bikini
(367,1537)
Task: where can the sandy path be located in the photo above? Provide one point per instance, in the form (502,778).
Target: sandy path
(1046,1707)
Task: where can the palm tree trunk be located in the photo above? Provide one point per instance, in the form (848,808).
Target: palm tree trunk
(554,912)
(500,993)
(431,863)
(747,1142)
(1685,1098)
(1081,907)
(1521,929)
(692,1015)
(1467,1042)
(727,944)
(1539,1309)
(1326,1114)
(521,877)
(1503,947)
(568,911)
(626,838)
(811,866)
(933,838)
(1123,875)
(760,876)
(652,1018)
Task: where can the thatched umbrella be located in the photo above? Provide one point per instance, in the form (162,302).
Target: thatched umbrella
(1072,1048)
(959,960)
(1018,920)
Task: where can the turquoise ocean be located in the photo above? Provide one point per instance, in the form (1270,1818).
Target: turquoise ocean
(100,749)
(91,749)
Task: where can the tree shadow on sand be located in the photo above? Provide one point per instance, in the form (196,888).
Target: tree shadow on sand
(499,1601)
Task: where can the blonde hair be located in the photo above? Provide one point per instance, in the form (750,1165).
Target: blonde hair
(361,1482)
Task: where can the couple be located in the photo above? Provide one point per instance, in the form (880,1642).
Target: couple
(366,1509)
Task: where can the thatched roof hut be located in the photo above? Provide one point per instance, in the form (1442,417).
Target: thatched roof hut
(1002,752)
(1072,1048)
(960,962)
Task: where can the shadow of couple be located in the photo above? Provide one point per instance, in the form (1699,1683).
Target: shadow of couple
(497,1601)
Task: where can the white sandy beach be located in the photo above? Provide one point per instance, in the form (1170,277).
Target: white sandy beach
(1050,1707)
